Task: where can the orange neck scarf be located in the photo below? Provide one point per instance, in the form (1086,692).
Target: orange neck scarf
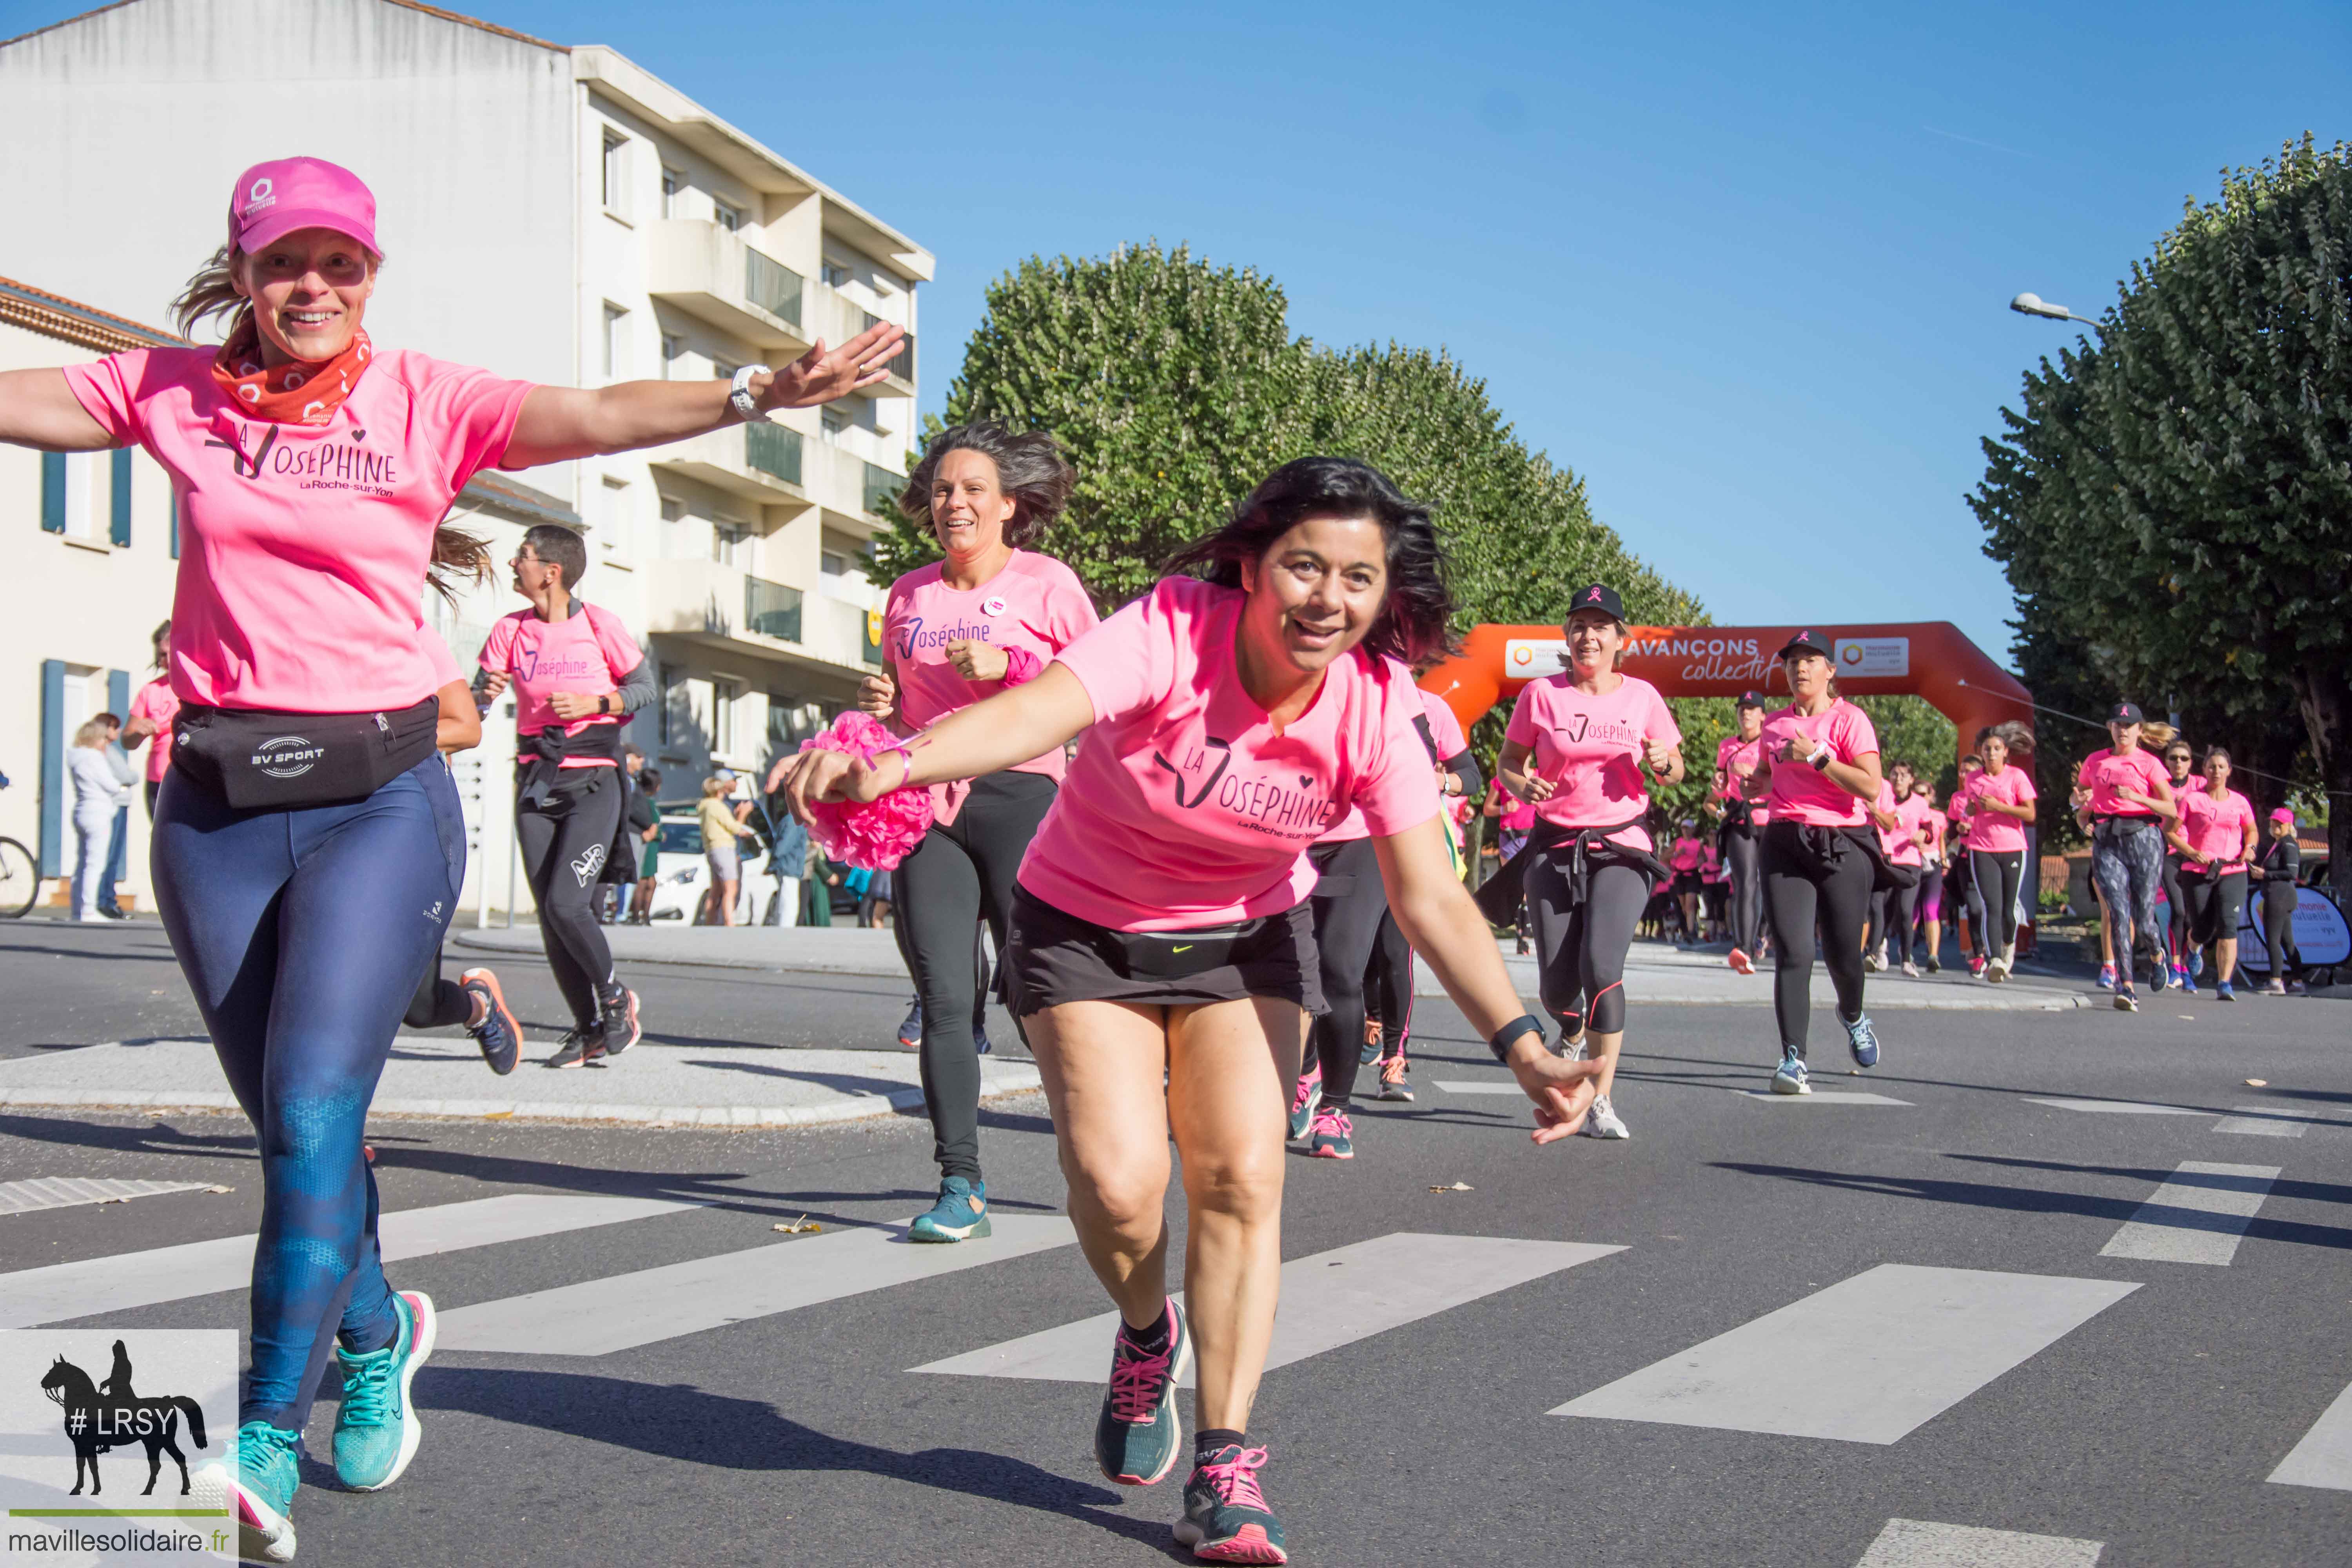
(295,394)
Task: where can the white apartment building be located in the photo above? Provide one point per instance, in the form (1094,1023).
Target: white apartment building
(551,213)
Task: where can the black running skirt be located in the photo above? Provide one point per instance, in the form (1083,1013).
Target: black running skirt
(1054,957)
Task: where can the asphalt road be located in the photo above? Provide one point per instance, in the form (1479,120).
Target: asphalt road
(1953,1309)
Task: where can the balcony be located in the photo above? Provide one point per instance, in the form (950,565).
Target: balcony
(861,497)
(771,609)
(759,462)
(710,273)
(836,318)
(726,607)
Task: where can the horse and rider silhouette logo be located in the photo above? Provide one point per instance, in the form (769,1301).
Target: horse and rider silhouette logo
(99,1417)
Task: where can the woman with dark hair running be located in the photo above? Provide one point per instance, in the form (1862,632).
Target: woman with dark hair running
(1820,765)
(2001,802)
(2130,804)
(2180,956)
(474,998)
(1935,851)
(1739,798)
(152,709)
(1161,959)
(305,893)
(1592,733)
(988,617)
(577,675)
(2278,869)
(2216,839)
(1956,884)
(1899,816)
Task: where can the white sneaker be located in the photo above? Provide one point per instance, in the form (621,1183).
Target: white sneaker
(1571,1046)
(1997,971)
(1602,1120)
(1873,961)
(1910,969)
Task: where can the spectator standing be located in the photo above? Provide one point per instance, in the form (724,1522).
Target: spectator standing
(722,825)
(98,787)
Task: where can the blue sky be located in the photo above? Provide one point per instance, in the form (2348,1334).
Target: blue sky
(1743,267)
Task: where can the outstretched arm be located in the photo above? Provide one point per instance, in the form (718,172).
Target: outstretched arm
(37,409)
(1014,725)
(558,422)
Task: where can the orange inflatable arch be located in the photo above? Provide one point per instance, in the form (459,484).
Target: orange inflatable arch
(1924,659)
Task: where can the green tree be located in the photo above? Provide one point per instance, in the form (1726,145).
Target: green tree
(2175,505)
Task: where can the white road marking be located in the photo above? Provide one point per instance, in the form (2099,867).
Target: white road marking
(1918,1543)
(2324,1458)
(2118,1107)
(1468,1086)
(69,1191)
(2195,1217)
(1866,1360)
(598,1317)
(2263,1122)
(1329,1299)
(1825,1096)
(63,1291)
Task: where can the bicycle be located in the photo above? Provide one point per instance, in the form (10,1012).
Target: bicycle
(20,876)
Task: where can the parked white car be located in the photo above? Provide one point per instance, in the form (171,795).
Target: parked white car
(682,874)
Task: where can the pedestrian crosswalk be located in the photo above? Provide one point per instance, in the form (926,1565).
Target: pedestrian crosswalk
(1918,1543)
(2196,1216)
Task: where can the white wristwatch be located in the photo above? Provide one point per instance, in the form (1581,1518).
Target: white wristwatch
(739,392)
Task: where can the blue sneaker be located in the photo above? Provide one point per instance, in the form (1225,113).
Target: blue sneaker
(1302,1103)
(376,1429)
(2196,966)
(269,1468)
(1226,1517)
(1371,1050)
(2186,981)
(1862,1041)
(1792,1077)
(2222,992)
(980,1046)
(1333,1135)
(1140,1432)
(961,1215)
(497,1033)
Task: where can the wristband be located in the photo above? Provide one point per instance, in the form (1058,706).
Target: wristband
(738,394)
(1507,1035)
(1821,757)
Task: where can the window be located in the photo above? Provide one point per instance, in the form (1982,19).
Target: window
(673,194)
(677,707)
(119,500)
(615,184)
(835,419)
(723,371)
(729,216)
(67,507)
(725,695)
(673,349)
(830,565)
(616,342)
(727,542)
(613,525)
(833,273)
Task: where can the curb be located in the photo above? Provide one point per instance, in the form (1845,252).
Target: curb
(877,971)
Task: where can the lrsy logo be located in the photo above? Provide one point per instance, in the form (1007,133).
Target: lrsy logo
(287,756)
(99,1418)
(264,193)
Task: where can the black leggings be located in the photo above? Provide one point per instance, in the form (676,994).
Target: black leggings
(1743,856)
(1387,986)
(1814,876)
(439,1003)
(2279,898)
(2211,908)
(1581,947)
(961,873)
(1346,929)
(1892,911)
(564,844)
(2176,893)
(1993,877)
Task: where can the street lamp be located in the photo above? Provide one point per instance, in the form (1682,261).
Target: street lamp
(2035,305)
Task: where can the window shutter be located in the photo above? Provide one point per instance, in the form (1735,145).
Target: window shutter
(176,522)
(121,532)
(53,763)
(53,492)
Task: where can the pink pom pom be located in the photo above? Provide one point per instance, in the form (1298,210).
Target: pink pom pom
(878,835)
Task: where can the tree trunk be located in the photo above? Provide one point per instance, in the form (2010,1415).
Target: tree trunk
(2325,699)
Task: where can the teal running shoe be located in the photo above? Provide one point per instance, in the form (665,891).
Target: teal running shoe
(1302,1104)
(377,1430)
(961,1215)
(1226,1519)
(269,1468)
(1792,1077)
(1333,1135)
(1140,1432)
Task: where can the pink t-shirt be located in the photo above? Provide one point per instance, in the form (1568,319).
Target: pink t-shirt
(1591,748)
(1937,825)
(1714,869)
(1353,825)
(2216,829)
(1731,752)
(1901,845)
(2136,769)
(1802,792)
(1185,807)
(1994,832)
(586,654)
(303,548)
(1688,855)
(1517,816)
(154,700)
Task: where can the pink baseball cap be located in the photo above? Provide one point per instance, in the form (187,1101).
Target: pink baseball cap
(2282,814)
(274,199)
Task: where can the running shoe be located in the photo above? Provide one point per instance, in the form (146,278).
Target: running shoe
(1225,1516)
(2106,977)
(2181,978)
(1934,964)
(2196,966)
(1140,1432)
(1997,971)
(1740,962)
(1910,969)
(1862,1041)
(1570,1047)
(1602,1120)
(577,1047)
(497,1033)
(1792,1077)
(2274,987)
(2222,992)
(617,1014)
(377,1430)
(1332,1136)
(979,1043)
(1396,1082)
(910,1027)
(1976,965)
(267,1469)
(1302,1104)
(2125,1001)
(1875,961)
(1371,1050)
(961,1215)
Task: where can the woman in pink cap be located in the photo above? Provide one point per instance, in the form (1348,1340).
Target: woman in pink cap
(298,857)
(2277,870)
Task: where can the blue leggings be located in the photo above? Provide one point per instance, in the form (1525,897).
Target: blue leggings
(302,933)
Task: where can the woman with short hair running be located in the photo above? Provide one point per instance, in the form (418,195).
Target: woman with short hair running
(1593,732)
(305,893)
(2216,839)
(2130,804)
(2001,802)
(2181,954)
(1935,851)
(1161,959)
(2278,869)
(1739,795)
(988,617)
(1820,855)
(1898,817)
